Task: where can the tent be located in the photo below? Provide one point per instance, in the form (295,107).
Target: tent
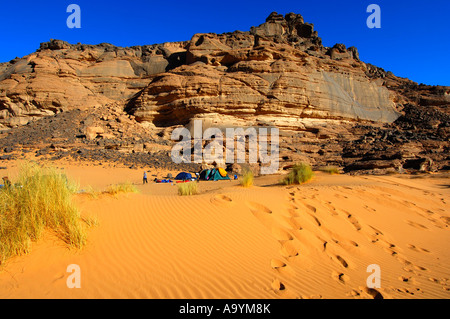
(222,172)
(214,175)
(183,176)
(204,175)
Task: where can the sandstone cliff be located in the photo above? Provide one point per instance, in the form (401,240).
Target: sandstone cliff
(332,108)
(278,71)
(60,77)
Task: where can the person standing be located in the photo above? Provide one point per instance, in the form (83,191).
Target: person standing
(145,181)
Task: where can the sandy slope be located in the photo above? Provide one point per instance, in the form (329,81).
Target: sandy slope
(268,241)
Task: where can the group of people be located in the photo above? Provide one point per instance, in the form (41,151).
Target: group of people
(145,178)
(197,175)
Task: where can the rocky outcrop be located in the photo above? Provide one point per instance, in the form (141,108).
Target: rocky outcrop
(278,72)
(281,91)
(60,77)
(331,107)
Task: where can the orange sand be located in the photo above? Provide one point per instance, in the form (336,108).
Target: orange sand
(310,241)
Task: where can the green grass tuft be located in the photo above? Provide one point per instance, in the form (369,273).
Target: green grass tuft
(40,199)
(300,173)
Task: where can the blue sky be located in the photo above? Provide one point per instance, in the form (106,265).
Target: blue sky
(413,42)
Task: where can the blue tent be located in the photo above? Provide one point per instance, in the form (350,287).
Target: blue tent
(183,176)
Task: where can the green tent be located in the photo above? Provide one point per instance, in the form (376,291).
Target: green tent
(213,175)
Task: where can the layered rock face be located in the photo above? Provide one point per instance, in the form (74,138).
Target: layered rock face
(99,102)
(278,73)
(60,76)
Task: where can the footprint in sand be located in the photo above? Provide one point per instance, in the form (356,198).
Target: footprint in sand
(278,285)
(288,250)
(416,225)
(370,209)
(276,263)
(331,208)
(281,267)
(406,291)
(311,208)
(403,260)
(371,292)
(377,231)
(342,261)
(58,277)
(443,282)
(353,221)
(324,244)
(417,267)
(222,200)
(258,208)
(293,211)
(353,243)
(390,248)
(281,234)
(446,219)
(418,249)
(404,279)
(315,219)
(296,223)
(353,293)
(340,277)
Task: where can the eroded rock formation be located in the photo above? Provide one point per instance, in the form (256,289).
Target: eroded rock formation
(331,107)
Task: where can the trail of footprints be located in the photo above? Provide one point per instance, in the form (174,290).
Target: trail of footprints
(292,243)
(284,236)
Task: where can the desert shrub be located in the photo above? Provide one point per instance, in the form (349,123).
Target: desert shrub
(330,170)
(126,187)
(188,188)
(40,199)
(299,174)
(247,179)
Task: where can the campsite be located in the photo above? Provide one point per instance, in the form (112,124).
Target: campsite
(264,241)
(261,151)
(214,174)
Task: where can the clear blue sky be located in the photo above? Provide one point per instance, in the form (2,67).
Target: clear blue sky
(413,42)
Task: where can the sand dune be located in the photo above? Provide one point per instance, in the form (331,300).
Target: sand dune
(310,241)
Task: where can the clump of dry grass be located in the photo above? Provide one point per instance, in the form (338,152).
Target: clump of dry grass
(189,188)
(300,173)
(40,199)
(246,179)
(330,170)
(126,187)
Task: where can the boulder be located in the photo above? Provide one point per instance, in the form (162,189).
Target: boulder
(93,131)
